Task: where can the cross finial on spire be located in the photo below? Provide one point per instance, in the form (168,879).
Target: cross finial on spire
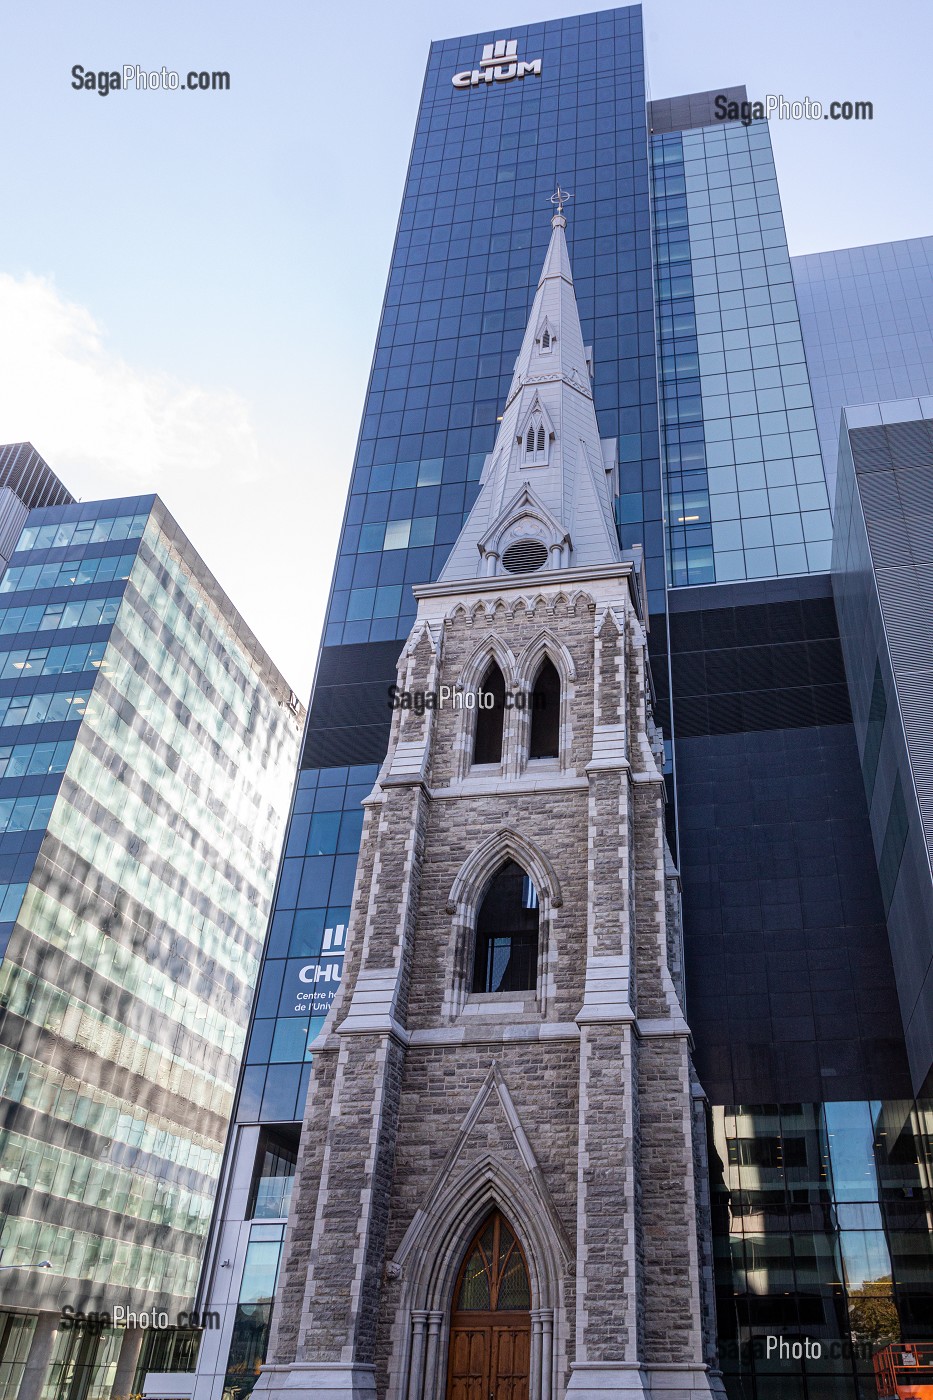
(560,197)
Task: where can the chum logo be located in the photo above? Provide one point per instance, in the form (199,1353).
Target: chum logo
(499,64)
(335,940)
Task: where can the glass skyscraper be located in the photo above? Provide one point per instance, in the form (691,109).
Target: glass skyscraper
(746,497)
(147,747)
(821,1154)
(867,321)
(720,366)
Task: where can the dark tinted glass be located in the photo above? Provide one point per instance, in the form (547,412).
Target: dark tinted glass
(507,934)
(487,746)
(545,713)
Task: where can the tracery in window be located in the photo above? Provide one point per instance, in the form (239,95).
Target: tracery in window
(494,1277)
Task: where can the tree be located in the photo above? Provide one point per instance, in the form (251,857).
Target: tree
(873,1312)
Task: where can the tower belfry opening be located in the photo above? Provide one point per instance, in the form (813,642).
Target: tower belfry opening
(506,951)
(487,743)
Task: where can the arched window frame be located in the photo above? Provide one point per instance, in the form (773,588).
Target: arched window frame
(470,680)
(536,436)
(546,338)
(466,896)
(537,442)
(488,719)
(522,920)
(545,645)
(492,1267)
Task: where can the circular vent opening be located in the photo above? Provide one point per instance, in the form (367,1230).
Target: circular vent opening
(524,556)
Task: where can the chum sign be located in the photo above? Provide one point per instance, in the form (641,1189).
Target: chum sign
(499,64)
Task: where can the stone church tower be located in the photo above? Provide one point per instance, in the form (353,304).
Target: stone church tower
(501,1170)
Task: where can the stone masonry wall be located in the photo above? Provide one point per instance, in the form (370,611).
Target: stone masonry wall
(439,1086)
(598,1129)
(668,1216)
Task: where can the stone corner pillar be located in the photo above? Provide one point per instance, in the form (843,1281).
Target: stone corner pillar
(317,1380)
(606,1380)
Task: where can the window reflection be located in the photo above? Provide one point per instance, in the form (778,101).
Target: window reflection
(166,801)
(822,1226)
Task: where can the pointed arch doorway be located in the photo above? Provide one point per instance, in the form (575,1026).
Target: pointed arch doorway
(490,1321)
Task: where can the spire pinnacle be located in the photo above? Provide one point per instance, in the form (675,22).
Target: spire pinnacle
(560,197)
(549,477)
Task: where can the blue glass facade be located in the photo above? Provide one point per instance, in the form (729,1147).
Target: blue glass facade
(822,1233)
(303,959)
(867,321)
(746,496)
(46,684)
(471,239)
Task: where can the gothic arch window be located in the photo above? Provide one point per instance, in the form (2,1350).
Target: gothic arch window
(536,441)
(494,1276)
(505,956)
(487,738)
(545,712)
(546,340)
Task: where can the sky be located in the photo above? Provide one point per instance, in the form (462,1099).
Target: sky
(190,282)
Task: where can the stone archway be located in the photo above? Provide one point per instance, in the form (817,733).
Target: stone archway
(430,1260)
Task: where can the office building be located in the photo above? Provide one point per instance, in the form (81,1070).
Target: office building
(720,366)
(881,564)
(866,316)
(746,498)
(791,988)
(26,481)
(147,751)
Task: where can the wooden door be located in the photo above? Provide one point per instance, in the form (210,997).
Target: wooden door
(490,1325)
(511,1357)
(469,1363)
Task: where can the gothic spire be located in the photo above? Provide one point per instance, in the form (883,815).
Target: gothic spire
(549,478)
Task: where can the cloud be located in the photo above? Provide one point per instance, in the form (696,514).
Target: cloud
(111,428)
(85,407)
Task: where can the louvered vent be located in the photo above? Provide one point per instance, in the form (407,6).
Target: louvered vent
(524,556)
